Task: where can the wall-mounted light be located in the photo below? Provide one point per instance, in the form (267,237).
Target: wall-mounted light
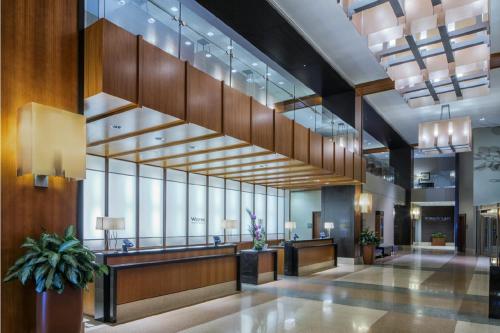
(50,142)
(365,202)
(329,226)
(415,213)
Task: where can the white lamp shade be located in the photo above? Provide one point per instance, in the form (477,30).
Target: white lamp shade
(50,142)
(365,202)
(229,224)
(290,225)
(110,223)
(329,225)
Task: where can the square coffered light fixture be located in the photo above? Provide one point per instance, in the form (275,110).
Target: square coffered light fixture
(436,51)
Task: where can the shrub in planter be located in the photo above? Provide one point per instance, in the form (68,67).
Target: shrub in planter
(438,239)
(60,267)
(368,241)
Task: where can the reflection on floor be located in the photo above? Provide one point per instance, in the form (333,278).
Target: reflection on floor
(418,292)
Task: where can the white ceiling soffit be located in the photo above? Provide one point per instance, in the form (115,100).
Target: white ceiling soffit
(484,111)
(325,26)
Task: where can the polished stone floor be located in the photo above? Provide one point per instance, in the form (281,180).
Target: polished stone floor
(419,292)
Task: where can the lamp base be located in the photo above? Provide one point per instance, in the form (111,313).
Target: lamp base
(40,181)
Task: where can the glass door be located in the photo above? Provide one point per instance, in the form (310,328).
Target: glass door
(489,226)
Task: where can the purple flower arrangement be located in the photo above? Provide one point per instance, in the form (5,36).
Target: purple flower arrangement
(257,231)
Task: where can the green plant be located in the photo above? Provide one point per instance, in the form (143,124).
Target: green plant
(52,261)
(438,235)
(368,237)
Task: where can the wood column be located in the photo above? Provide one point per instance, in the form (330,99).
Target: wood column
(358,219)
(39,63)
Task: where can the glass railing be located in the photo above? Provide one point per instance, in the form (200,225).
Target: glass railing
(378,165)
(183,33)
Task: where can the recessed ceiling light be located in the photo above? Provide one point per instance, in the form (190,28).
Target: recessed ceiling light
(121,2)
(254,64)
(262,88)
(208,55)
(159,138)
(305,65)
(188,43)
(233,70)
(192,147)
(268,74)
(210,34)
(460,75)
(174,9)
(261,166)
(116,127)
(151,20)
(482,119)
(249,80)
(281,82)
(229,47)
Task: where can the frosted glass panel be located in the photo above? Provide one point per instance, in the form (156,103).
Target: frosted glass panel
(93,207)
(233,213)
(197,214)
(272,217)
(216,212)
(123,167)
(122,203)
(150,212)
(260,208)
(176,213)
(281,215)
(246,202)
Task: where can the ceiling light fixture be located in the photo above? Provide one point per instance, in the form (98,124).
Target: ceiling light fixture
(233,70)
(116,127)
(151,20)
(254,64)
(121,2)
(188,43)
(445,135)
(208,55)
(418,40)
(482,119)
(210,34)
(174,9)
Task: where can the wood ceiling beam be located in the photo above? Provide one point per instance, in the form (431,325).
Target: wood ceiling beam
(374,87)
(196,152)
(298,103)
(278,160)
(225,174)
(309,185)
(137,133)
(278,175)
(495,60)
(222,159)
(313,178)
(112,112)
(168,144)
(376,150)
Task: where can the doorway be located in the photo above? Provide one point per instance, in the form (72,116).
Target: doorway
(316,225)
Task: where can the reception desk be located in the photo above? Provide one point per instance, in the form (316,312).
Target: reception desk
(308,256)
(146,282)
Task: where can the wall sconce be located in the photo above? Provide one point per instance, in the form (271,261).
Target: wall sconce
(229,225)
(415,213)
(50,142)
(109,224)
(329,226)
(365,202)
(290,225)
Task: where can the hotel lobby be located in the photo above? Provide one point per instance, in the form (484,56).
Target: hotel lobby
(250,166)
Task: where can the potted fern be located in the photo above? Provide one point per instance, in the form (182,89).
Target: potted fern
(59,267)
(368,240)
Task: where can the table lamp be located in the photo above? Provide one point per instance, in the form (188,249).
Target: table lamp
(329,226)
(109,224)
(290,225)
(229,225)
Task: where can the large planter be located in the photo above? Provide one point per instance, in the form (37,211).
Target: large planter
(438,241)
(368,254)
(59,313)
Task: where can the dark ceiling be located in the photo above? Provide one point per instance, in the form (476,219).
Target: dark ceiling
(259,23)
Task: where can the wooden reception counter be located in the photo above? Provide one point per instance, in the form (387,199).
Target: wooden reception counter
(308,256)
(146,282)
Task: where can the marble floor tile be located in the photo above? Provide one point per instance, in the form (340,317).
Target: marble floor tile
(295,315)
(466,327)
(389,276)
(394,322)
(479,285)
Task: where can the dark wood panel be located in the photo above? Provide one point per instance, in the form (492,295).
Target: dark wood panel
(237,114)
(117,260)
(110,61)
(363,170)
(248,245)
(163,81)
(204,99)
(39,42)
(312,242)
(328,155)
(316,149)
(495,60)
(281,260)
(339,160)
(357,167)
(315,255)
(262,126)
(300,143)
(283,135)
(151,281)
(266,262)
(374,87)
(349,164)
